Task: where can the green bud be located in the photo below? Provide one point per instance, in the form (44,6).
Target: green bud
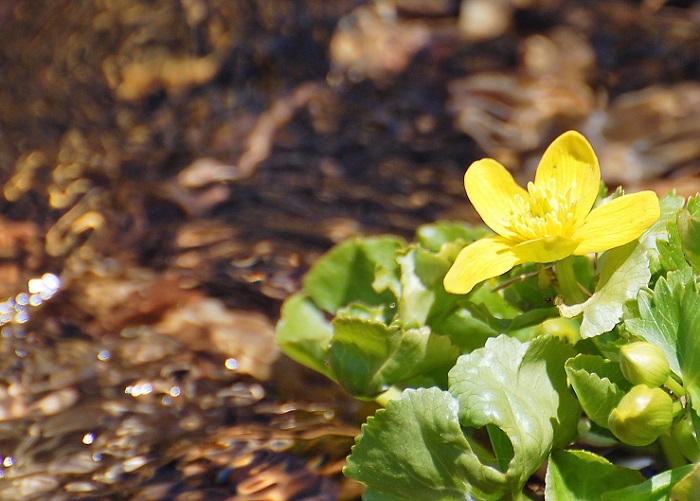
(563,328)
(683,434)
(644,363)
(642,415)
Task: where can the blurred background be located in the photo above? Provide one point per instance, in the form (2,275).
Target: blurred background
(171,168)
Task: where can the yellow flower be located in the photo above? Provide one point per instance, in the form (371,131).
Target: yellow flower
(549,221)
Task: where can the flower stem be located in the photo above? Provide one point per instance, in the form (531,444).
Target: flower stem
(674,386)
(568,286)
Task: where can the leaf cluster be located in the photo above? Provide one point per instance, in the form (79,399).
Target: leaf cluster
(483,391)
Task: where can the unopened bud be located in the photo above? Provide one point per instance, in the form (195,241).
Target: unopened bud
(683,434)
(642,415)
(644,363)
(563,328)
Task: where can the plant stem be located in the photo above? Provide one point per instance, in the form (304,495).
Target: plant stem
(675,387)
(568,286)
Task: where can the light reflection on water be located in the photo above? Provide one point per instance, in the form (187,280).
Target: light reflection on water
(16,310)
(86,418)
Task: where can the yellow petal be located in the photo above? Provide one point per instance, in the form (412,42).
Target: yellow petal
(572,163)
(545,250)
(617,222)
(491,189)
(479,261)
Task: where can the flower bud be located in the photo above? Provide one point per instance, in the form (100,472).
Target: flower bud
(642,415)
(563,328)
(644,363)
(683,434)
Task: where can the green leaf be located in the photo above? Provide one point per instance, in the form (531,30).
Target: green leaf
(624,271)
(688,342)
(695,420)
(685,438)
(380,313)
(670,251)
(465,330)
(433,236)
(662,240)
(520,388)
(574,475)
(304,334)
(659,315)
(689,231)
(422,295)
(670,205)
(599,385)
(423,300)
(346,273)
(693,205)
(687,488)
(530,318)
(669,317)
(502,448)
(367,357)
(529,286)
(479,311)
(359,350)
(415,449)
(484,315)
(657,488)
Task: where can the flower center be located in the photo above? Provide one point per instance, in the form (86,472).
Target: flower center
(545,213)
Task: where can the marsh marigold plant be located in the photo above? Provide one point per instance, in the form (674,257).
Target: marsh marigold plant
(551,220)
(481,394)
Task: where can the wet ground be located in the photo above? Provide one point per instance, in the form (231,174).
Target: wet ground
(170,169)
